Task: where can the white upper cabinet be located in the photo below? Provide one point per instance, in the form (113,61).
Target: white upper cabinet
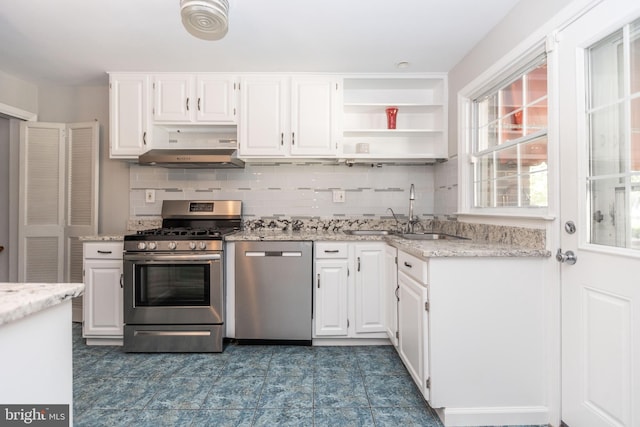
(129,115)
(194,98)
(282,116)
(263,108)
(314,103)
(421,121)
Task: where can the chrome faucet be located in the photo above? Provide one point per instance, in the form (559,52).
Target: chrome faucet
(398,226)
(412,219)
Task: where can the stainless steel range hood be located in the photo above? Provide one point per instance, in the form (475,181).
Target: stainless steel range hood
(219,158)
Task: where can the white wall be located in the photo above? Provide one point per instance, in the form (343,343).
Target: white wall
(18,93)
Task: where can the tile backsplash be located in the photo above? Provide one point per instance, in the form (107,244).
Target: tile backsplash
(290,190)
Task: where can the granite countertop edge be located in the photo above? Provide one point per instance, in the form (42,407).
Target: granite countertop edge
(19,300)
(424,249)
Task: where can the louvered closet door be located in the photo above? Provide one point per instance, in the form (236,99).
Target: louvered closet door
(41,210)
(82,193)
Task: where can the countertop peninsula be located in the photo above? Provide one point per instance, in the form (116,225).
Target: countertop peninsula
(18,300)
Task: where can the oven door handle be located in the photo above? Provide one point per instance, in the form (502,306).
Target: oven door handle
(163,258)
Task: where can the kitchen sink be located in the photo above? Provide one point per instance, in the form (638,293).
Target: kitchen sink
(368,232)
(430,236)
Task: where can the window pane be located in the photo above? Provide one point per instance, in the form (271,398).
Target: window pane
(507,191)
(537,187)
(635,57)
(606,67)
(536,117)
(536,84)
(607,141)
(635,134)
(534,153)
(608,212)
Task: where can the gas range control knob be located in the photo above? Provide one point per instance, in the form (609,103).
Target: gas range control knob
(172,245)
(192,245)
(203,245)
(142,246)
(153,245)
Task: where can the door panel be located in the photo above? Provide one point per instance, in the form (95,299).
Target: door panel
(600,292)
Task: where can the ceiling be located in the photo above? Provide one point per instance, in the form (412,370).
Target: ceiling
(74,42)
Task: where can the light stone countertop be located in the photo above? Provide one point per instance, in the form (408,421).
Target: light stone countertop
(18,300)
(420,248)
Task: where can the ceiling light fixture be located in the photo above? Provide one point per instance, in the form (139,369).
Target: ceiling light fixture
(205,19)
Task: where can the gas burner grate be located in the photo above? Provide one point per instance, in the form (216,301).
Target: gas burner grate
(181,231)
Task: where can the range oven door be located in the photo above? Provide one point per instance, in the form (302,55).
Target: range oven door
(173,289)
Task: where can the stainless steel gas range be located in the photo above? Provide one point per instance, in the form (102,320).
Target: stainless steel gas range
(174,278)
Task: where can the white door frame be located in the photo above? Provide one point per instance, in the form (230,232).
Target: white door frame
(15,115)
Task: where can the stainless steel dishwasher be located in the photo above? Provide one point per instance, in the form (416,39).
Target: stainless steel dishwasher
(273,291)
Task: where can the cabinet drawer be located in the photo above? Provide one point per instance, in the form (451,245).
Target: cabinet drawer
(331,250)
(413,266)
(103,250)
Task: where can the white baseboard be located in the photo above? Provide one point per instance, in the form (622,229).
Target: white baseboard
(350,341)
(104,341)
(513,415)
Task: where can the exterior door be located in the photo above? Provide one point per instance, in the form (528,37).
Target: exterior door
(599,68)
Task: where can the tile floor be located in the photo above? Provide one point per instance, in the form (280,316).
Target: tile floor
(245,386)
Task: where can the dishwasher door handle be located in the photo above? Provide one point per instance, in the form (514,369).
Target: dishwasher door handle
(272,254)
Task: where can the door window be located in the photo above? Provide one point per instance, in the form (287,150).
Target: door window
(613,120)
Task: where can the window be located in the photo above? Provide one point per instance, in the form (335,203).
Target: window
(613,121)
(508,149)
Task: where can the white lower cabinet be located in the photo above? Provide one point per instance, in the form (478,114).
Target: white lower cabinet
(349,290)
(103,304)
(331,314)
(472,336)
(391,293)
(413,319)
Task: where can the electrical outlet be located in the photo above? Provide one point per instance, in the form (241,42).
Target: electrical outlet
(339,196)
(150,196)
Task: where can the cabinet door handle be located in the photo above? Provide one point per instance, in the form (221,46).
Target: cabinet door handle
(282,138)
(318,281)
(358,263)
(293,138)
(187,104)
(397,290)
(144,138)
(104,252)
(332,251)
(122,280)
(198,104)
(406,264)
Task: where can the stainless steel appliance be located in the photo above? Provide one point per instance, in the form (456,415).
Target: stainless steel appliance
(218,158)
(273,291)
(174,278)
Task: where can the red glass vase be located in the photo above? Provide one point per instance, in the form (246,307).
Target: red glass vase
(392,112)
